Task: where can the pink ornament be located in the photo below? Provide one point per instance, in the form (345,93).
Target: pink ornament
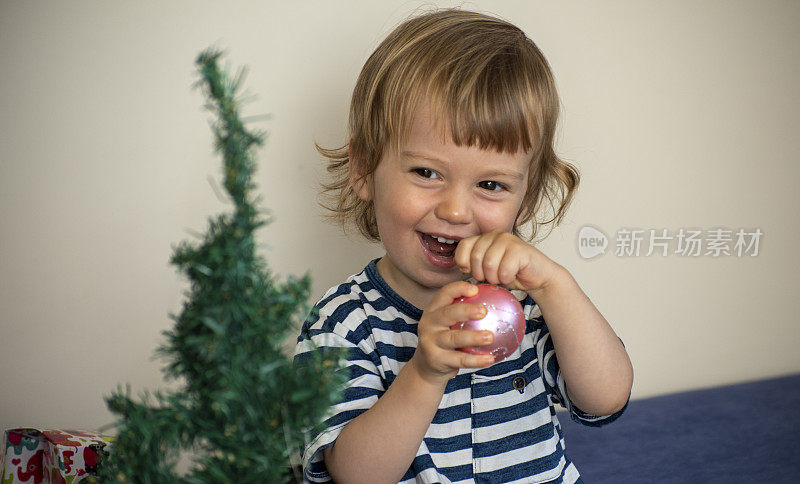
(504,318)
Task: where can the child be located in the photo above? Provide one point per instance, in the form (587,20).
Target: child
(450,151)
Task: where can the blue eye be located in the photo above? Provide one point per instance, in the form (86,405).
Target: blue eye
(491,186)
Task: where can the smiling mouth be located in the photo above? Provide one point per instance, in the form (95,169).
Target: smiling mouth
(440,246)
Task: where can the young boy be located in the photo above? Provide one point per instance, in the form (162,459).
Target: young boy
(450,151)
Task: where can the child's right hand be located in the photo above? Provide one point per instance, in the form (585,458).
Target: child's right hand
(437,358)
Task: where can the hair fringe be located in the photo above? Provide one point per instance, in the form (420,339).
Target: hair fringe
(492,87)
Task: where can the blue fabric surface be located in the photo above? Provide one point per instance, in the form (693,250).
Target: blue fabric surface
(733,434)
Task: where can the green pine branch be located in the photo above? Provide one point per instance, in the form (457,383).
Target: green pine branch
(242,406)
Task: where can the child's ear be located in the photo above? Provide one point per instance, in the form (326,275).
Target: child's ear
(358,180)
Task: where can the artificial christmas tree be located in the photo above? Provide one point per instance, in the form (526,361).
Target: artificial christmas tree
(241,406)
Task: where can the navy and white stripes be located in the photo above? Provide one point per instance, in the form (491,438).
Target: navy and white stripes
(489,427)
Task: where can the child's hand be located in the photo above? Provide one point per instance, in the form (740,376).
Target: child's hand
(501,258)
(436,358)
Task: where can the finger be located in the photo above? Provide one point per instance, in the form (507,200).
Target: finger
(456,313)
(461,256)
(448,293)
(510,266)
(464,338)
(493,259)
(460,359)
(478,252)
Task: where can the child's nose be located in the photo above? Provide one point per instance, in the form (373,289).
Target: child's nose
(453,207)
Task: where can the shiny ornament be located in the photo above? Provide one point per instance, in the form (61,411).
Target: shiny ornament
(504,318)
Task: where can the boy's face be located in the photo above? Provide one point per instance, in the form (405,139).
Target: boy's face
(432,191)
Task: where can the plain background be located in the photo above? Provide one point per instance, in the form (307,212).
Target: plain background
(679,115)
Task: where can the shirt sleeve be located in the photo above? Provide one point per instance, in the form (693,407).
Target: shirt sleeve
(554,380)
(362,390)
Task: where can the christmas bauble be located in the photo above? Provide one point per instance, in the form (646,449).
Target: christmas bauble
(504,318)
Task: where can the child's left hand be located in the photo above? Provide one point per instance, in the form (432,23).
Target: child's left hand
(502,258)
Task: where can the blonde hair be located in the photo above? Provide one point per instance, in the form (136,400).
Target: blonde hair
(488,82)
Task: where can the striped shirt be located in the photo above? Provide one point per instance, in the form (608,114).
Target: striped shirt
(495,424)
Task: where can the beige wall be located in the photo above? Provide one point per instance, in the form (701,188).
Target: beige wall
(679,115)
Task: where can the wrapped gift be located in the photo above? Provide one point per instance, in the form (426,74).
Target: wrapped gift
(51,456)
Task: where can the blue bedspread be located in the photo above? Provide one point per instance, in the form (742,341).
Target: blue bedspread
(733,434)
